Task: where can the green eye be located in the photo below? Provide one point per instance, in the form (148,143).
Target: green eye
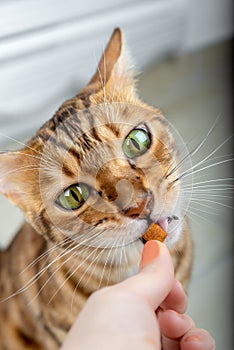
(136,143)
(73,197)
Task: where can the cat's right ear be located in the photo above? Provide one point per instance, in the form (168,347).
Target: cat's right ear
(15,176)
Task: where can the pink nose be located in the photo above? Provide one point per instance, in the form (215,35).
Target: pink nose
(142,211)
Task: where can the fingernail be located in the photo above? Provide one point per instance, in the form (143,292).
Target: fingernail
(150,252)
(200,337)
(193,339)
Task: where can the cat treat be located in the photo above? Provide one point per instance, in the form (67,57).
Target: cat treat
(155,232)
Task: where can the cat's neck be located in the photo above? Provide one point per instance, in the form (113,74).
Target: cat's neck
(86,269)
(66,274)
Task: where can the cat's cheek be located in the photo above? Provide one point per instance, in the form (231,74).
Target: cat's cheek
(174,234)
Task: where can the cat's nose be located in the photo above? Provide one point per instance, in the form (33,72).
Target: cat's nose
(143,210)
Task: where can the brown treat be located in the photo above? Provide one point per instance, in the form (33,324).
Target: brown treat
(155,232)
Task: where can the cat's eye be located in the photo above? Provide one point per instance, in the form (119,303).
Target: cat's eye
(73,197)
(136,143)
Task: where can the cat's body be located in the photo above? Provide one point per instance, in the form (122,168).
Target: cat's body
(46,277)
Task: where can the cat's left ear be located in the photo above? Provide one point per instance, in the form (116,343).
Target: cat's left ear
(115,69)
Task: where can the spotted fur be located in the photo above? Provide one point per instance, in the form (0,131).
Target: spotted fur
(60,257)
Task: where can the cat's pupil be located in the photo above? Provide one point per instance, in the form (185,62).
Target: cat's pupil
(75,196)
(135,144)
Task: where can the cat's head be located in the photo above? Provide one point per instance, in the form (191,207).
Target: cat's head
(103,168)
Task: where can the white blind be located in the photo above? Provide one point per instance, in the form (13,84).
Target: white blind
(50,48)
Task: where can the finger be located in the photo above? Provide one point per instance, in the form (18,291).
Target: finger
(197,339)
(174,325)
(176,300)
(170,344)
(156,276)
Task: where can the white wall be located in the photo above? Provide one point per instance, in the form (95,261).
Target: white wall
(208,22)
(49,49)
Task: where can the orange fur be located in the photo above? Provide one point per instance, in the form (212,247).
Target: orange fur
(60,257)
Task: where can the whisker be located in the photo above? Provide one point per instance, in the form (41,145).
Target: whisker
(104,267)
(18,142)
(74,271)
(44,254)
(192,213)
(57,268)
(41,272)
(25,146)
(206,159)
(197,148)
(24,168)
(204,168)
(94,261)
(203,183)
(212,212)
(215,202)
(208,190)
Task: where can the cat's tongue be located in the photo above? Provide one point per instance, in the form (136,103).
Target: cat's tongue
(163,223)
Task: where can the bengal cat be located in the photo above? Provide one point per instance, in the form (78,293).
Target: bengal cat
(90,183)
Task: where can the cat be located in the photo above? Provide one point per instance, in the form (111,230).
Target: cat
(90,182)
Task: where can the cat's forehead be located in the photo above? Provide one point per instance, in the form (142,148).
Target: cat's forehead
(106,119)
(81,132)
(87,139)
(98,131)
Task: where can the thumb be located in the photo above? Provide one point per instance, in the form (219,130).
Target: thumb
(156,276)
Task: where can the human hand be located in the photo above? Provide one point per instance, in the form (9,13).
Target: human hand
(123,316)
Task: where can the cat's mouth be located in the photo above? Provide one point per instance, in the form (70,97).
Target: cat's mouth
(163,223)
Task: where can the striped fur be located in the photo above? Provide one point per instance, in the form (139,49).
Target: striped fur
(60,257)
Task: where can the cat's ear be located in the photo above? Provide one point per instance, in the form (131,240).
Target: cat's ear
(14,177)
(115,69)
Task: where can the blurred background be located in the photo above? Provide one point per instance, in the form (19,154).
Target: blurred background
(184,49)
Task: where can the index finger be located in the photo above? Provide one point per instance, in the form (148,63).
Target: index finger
(156,277)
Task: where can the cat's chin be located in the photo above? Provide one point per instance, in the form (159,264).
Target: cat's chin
(118,237)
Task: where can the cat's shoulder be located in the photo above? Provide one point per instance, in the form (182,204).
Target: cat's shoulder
(26,239)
